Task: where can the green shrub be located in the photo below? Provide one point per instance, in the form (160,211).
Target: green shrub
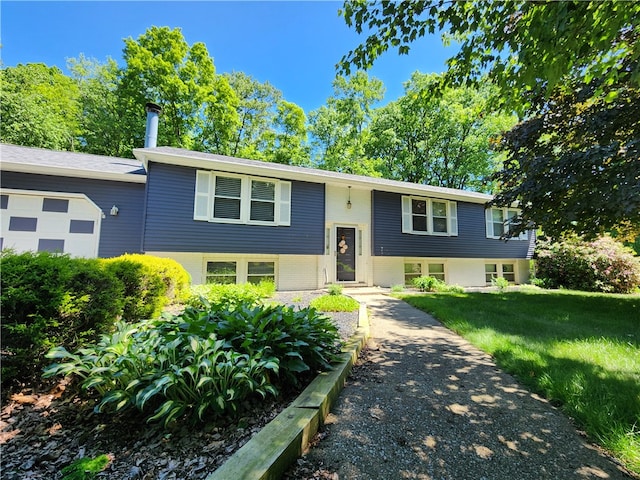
(300,340)
(335,289)
(500,282)
(150,283)
(602,265)
(163,370)
(229,294)
(51,299)
(397,288)
(334,303)
(203,362)
(431,284)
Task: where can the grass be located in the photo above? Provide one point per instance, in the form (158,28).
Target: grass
(334,303)
(580,350)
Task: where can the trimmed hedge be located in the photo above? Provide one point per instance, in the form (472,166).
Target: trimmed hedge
(601,265)
(51,299)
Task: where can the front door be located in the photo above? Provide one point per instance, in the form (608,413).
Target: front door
(346,254)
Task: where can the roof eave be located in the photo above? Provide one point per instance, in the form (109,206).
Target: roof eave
(71,172)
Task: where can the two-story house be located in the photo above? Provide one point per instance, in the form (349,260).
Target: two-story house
(235,220)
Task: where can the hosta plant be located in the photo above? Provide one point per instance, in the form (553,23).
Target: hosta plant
(165,372)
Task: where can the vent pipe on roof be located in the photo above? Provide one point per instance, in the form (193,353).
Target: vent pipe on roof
(151,135)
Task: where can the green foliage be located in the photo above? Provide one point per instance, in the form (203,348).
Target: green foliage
(574,165)
(86,468)
(150,283)
(39,107)
(229,295)
(425,283)
(165,371)
(335,289)
(299,340)
(334,303)
(581,350)
(448,140)
(49,299)
(522,46)
(203,362)
(602,265)
(339,129)
(397,288)
(500,282)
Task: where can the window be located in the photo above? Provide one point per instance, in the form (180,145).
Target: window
(241,199)
(221,272)
(416,269)
(498,221)
(425,216)
(490,273)
(55,205)
(411,271)
(508,272)
(495,270)
(261,271)
(436,270)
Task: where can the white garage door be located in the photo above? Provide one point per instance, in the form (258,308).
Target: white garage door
(50,221)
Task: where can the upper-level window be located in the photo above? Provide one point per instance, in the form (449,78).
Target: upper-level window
(241,199)
(499,221)
(427,216)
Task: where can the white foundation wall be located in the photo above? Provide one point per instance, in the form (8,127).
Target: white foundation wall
(293,272)
(388,271)
(298,272)
(466,272)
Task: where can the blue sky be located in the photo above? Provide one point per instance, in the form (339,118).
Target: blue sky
(292,45)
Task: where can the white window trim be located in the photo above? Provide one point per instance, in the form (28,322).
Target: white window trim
(407,216)
(424,266)
(500,270)
(488,217)
(204,197)
(242,266)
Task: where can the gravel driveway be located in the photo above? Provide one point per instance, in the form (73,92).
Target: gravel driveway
(425,404)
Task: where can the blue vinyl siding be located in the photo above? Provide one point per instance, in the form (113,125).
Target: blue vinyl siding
(170,227)
(471,242)
(119,234)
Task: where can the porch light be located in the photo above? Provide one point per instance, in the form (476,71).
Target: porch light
(349,200)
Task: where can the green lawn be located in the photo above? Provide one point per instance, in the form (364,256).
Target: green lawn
(580,350)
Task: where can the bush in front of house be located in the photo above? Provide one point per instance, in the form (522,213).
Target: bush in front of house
(49,299)
(601,265)
(150,283)
(425,283)
(202,363)
(228,294)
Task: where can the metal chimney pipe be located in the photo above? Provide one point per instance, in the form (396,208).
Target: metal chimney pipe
(151,135)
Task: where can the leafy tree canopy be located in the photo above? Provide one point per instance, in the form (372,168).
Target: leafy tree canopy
(520,46)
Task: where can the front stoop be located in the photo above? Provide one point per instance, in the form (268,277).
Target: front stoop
(274,448)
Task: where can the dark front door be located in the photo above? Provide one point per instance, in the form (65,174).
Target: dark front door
(346,254)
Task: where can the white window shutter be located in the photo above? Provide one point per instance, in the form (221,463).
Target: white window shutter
(201,203)
(284,204)
(488,221)
(407,224)
(453,219)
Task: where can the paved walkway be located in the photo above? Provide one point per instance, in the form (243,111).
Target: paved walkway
(425,404)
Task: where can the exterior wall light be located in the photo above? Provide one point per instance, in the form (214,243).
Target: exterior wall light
(349,199)
(114,210)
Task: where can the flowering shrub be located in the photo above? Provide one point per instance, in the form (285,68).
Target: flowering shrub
(601,265)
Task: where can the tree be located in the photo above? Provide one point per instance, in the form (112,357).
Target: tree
(548,60)
(39,107)
(109,119)
(339,128)
(162,68)
(519,46)
(446,140)
(288,143)
(576,166)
